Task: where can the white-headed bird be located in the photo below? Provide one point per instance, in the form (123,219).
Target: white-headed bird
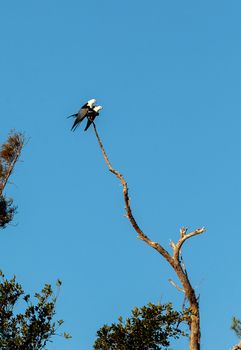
(82,113)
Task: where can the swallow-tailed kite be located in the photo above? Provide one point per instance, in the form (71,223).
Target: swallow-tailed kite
(82,113)
(91,115)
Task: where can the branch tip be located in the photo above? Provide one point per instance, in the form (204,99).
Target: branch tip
(172,244)
(176,286)
(183,231)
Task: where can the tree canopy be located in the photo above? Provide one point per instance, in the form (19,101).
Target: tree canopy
(32,328)
(149,328)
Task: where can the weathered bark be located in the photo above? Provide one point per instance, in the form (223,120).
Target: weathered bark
(194,322)
(174,260)
(237,347)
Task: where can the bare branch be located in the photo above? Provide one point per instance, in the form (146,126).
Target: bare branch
(184,237)
(174,261)
(172,244)
(176,286)
(183,231)
(128,210)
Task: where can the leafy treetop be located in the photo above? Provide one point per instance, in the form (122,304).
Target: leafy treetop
(34,327)
(149,328)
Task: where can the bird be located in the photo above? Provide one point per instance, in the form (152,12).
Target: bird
(82,113)
(91,115)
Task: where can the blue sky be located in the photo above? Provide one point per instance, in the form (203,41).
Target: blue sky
(168,75)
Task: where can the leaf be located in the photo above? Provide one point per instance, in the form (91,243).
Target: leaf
(67,335)
(58,283)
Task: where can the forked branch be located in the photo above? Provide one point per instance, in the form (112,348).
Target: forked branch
(184,236)
(175,260)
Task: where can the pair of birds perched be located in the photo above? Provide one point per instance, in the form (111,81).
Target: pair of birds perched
(89,111)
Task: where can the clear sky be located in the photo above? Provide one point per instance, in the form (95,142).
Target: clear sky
(168,74)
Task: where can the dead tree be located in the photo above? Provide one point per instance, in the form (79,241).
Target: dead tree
(174,259)
(9,154)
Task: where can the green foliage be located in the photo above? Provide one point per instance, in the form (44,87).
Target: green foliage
(149,328)
(236,326)
(34,327)
(9,154)
(7,211)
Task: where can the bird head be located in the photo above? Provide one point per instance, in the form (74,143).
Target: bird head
(91,102)
(97,108)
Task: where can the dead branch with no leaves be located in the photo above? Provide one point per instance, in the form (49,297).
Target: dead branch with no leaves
(175,260)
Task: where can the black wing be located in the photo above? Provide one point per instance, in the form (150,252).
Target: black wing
(88,124)
(80,116)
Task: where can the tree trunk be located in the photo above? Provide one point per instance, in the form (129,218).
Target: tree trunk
(174,260)
(195,333)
